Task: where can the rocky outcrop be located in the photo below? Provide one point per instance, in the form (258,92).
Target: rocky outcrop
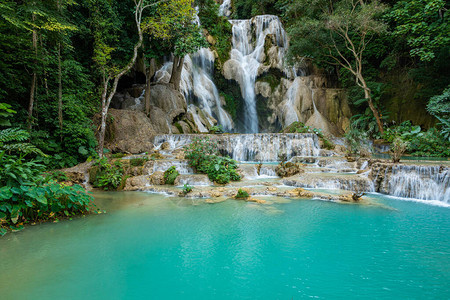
(289,169)
(129,131)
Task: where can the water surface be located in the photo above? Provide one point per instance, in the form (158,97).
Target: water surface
(152,247)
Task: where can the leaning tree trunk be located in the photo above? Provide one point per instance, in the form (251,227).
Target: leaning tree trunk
(149,74)
(177,67)
(373,108)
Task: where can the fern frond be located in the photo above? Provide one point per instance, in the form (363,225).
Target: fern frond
(25,148)
(13,135)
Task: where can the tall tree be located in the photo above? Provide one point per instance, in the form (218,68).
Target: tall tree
(338,33)
(175,23)
(111,73)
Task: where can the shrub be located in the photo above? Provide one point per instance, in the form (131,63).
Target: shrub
(241,194)
(398,149)
(170,175)
(106,176)
(204,158)
(216,129)
(26,196)
(187,189)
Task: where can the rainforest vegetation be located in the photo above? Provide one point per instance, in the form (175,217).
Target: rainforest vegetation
(61,61)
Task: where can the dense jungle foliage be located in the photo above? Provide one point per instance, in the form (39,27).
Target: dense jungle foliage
(57,56)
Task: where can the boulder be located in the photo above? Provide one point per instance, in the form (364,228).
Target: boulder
(137,183)
(129,132)
(157,178)
(171,101)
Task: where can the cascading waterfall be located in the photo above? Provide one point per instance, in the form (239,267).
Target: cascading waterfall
(197,86)
(420,182)
(250,57)
(204,88)
(264,147)
(225,8)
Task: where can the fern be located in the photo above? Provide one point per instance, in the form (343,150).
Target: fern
(13,140)
(13,135)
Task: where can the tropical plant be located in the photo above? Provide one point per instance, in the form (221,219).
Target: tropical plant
(170,175)
(104,175)
(242,194)
(204,157)
(187,189)
(439,106)
(398,148)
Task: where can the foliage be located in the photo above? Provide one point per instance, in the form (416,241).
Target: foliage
(338,33)
(424,23)
(204,157)
(299,127)
(218,27)
(5,113)
(187,189)
(405,131)
(138,162)
(14,141)
(173,23)
(216,129)
(106,176)
(170,175)
(230,104)
(429,143)
(26,196)
(357,141)
(241,194)
(398,148)
(439,106)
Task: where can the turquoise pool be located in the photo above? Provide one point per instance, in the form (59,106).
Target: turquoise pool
(152,247)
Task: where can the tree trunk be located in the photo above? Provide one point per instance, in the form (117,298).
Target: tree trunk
(149,74)
(373,108)
(177,67)
(33,80)
(60,104)
(108,93)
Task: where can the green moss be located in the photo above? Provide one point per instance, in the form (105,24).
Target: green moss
(138,162)
(118,155)
(231,104)
(178,126)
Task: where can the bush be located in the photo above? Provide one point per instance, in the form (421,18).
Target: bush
(357,141)
(170,175)
(398,149)
(187,189)
(106,176)
(204,158)
(26,196)
(241,194)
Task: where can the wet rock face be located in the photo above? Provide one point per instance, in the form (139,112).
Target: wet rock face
(289,169)
(129,132)
(425,182)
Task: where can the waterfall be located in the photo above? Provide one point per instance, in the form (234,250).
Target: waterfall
(423,182)
(250,56)
(264,147)
(225,8)
(420,182)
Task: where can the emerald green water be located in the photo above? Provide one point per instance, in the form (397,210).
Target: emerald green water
(151,247)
